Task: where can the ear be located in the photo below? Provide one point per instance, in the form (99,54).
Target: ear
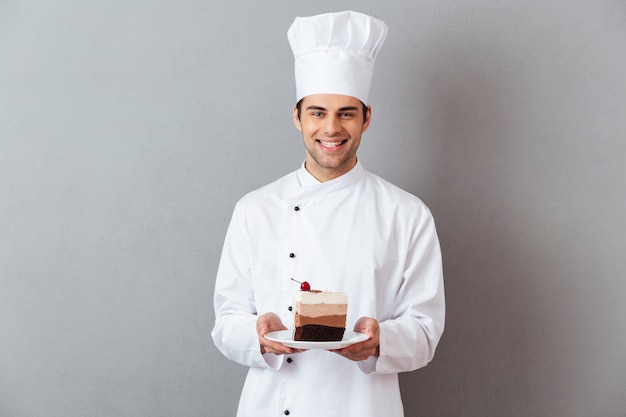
(296,120)
(368,118)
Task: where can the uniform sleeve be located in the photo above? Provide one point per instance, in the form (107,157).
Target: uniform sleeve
(234,332)
(408,340)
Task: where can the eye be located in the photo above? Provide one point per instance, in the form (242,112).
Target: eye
(346,115)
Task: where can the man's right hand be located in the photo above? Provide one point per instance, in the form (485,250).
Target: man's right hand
(267,323)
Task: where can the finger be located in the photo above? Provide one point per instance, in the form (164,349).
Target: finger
(277,347)
(358,351)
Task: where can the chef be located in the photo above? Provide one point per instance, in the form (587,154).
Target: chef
(340,228)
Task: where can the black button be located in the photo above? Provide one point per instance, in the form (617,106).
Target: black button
(289,360)
(296,208)
(290,308)
(286,412)
(292,255)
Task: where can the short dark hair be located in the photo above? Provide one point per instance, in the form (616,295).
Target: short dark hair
(365,109)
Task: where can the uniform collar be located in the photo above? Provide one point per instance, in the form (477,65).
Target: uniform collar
(307,180)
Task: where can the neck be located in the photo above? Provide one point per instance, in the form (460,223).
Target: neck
(326,174)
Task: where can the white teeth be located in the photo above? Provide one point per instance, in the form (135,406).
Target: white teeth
(330,144)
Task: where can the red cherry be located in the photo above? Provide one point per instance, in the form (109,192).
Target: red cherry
(304,286)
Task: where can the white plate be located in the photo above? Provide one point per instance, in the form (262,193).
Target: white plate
(286,338)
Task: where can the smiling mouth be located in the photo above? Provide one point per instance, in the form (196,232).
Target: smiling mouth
(331,144)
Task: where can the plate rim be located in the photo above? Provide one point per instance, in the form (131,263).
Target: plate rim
(354,337)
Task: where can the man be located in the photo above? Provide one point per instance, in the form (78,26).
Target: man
(340,228)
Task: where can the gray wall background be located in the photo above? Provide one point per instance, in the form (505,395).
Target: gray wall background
(129,129)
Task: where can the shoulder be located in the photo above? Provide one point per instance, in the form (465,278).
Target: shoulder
(270,194)
(391,193)
(400,209)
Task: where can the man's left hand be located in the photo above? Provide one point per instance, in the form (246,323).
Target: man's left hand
(363,350)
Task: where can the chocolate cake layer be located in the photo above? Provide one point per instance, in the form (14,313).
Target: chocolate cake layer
(317,333)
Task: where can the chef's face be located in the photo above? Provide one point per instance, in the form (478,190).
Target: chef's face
(331,127)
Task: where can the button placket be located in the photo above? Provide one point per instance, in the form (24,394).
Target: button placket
(291,241)
(292,247)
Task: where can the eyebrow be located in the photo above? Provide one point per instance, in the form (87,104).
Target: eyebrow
(348,108)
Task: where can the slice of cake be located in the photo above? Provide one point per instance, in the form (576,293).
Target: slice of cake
(319,316)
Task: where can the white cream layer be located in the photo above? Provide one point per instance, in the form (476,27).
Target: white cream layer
(322,303)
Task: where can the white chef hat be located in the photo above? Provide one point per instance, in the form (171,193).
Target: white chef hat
(335,52)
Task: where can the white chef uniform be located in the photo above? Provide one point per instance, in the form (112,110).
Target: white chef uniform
(358,234)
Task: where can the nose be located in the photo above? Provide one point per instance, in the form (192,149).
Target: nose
(332,126)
